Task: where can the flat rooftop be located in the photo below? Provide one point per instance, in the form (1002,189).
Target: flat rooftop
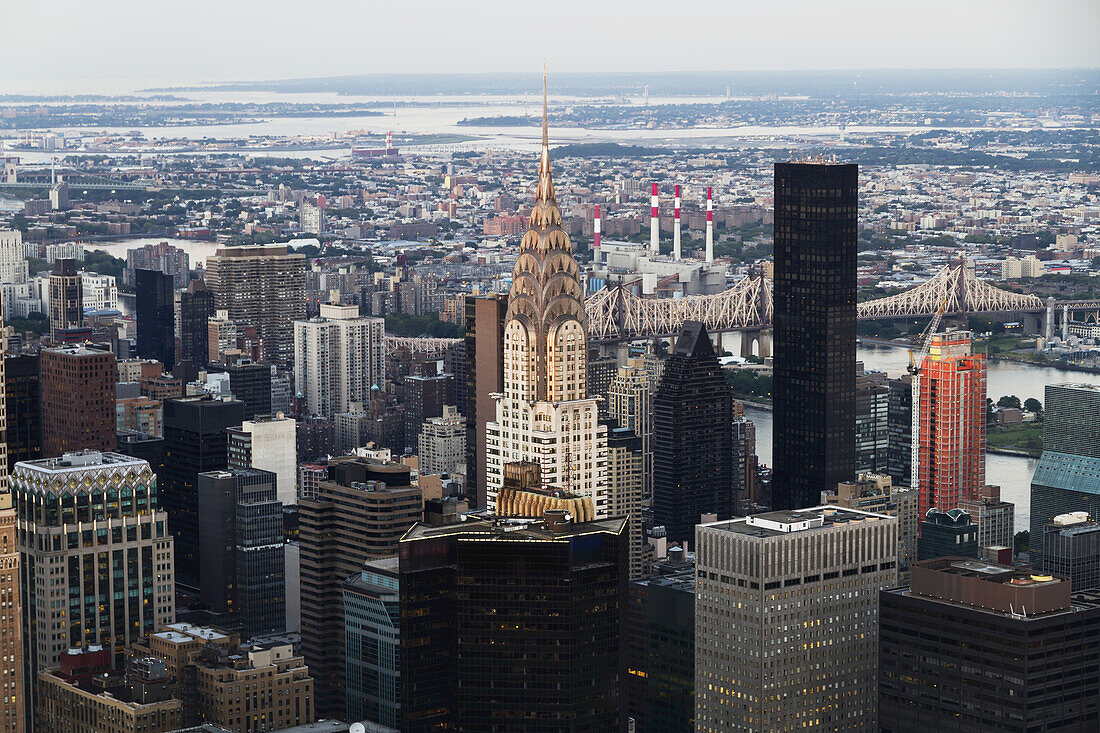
(82,460)
(515,529)
(774,524)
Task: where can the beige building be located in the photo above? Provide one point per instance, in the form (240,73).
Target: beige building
(261,286)
(258,687)
(786,619)
(338,358)
(442,446)
(82,696)
(268,442)
(873,492)
(624,492)
(630,402)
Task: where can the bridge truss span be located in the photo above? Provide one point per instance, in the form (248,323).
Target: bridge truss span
(957,290)
(616,312)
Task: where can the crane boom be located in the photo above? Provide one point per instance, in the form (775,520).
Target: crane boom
(914,369)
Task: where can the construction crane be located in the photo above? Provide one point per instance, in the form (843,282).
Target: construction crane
(914,369)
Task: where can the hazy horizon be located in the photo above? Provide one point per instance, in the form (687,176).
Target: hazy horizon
(231,41)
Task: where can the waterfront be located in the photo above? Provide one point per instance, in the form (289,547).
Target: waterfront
(1012,473)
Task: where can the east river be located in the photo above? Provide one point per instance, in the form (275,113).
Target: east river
(1011,473)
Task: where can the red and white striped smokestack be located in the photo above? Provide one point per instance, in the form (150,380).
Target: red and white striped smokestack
(654,223)
(676,226)
(710,227)
(596,236)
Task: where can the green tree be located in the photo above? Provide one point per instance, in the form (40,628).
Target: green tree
(1009,400)
(1033,405)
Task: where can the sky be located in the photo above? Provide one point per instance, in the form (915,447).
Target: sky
(193,40)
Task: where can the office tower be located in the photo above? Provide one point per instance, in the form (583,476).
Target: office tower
(692,437)
(872,421)
(485,319)
(194,308)
(537,641)
(149,448)
(78,399)
(74,596)
(786,618)
(1071,549)
(899,421)
(1000,649)
(138,701)
(996,521)
(423,398)
(814,330)
(66,297)
(544,413)
(360,512)
(624,491)
(241,572)
(195,441)
(1065,479)
(156,321)
(12,703)
(261,286)
(630,403)
(264,686)
(659,668)
(443,442)
(250,383)
(372,627)
(23,405)
(339,357)
(269,443)
(947,533)
(951,450)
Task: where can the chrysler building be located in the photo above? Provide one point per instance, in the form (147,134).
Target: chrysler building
(545,414)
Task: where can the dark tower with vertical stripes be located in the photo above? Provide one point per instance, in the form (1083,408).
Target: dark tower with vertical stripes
(814,393)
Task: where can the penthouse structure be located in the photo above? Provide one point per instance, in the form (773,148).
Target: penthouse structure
(1000,649)
(776,591)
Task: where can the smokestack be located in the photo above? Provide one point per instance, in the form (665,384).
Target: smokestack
(676,226)
(596,236)
(654,226)
(710,227)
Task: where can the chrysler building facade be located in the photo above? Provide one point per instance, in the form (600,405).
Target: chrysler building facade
(544,414)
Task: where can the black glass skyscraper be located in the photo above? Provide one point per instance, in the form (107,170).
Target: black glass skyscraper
(156,321)
(196,306)
(195,441)
(814,330)
(692,437)
(512,627)
(23,397)
(241,549)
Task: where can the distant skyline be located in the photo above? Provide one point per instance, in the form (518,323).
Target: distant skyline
(233,40)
